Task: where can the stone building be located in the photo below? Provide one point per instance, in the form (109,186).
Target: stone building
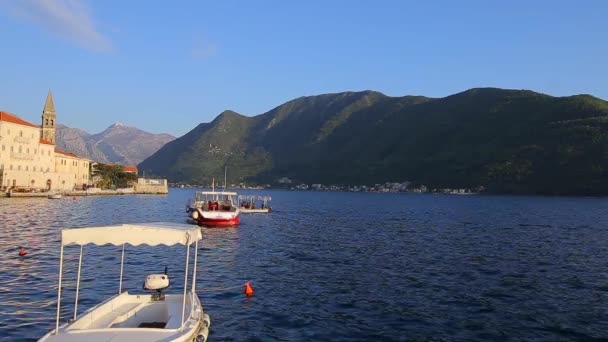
(29,158)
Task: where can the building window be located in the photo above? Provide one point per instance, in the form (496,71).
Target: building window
(48,169)
(19,167)
(35,151)
(19,149)
(27,151)
(49,152)
(11,148)
(47,122)
(20,133)
(8,132)
(11,166)
(34,169)
(27,168)
(2,147)
(51,122)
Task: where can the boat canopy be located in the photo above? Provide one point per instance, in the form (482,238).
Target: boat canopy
(217,193)
(152,234)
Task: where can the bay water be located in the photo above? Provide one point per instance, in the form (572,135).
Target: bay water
(334,266)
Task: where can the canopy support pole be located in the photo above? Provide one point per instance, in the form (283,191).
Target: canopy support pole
(185,283)
(194,272)
(59,289)
(78,283)
(122,262)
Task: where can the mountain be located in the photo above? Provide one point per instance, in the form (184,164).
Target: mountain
(118,144)
(506,141)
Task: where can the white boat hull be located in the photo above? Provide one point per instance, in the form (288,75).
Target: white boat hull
(120,319)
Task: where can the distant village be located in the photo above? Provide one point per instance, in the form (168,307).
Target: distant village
(392,187)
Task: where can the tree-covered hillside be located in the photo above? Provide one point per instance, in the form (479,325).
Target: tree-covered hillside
(508,141)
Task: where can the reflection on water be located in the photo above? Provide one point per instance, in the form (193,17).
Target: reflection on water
(335,266)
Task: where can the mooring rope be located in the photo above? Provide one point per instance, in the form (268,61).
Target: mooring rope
(214,289)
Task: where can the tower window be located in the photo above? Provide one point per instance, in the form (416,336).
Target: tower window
(52,121)
(47,122)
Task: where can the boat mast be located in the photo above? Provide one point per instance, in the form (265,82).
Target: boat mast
(225,171)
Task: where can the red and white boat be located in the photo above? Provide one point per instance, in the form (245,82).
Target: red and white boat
(214,208)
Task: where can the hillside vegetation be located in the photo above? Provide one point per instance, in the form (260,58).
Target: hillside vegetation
(506,141)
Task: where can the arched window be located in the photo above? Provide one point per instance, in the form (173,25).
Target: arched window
(47,122)
(52,121)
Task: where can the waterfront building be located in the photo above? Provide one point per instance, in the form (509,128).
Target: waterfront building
(29,158)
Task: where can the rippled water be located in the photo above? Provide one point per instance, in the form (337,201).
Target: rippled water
(337,266)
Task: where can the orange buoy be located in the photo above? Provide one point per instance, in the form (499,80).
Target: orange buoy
(248,289)
(22,252)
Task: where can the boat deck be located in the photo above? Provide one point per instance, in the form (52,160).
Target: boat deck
(131,318)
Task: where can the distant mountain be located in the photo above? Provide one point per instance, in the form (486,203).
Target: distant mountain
(507,141)
(118,144)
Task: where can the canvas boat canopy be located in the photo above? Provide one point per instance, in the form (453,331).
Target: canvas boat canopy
(159,233)
(217,193)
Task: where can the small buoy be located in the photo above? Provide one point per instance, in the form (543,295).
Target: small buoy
(74,198)
(248,289)
(22,252)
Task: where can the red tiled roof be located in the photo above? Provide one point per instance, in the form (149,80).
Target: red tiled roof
(65,153)
(8,117)
(130,168)
(44,141)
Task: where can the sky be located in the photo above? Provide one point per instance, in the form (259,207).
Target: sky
(166,66)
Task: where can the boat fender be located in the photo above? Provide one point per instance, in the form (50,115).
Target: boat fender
(202,334)
(207,320)
(195,214)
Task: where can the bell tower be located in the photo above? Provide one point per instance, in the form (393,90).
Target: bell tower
(49,119)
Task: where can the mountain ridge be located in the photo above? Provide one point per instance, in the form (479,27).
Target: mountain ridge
(117,144)
(504,140)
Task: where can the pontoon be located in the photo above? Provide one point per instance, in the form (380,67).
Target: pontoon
(129,317)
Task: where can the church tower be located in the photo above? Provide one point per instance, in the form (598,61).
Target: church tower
(49,119)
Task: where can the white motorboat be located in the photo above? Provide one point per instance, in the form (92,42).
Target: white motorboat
(129,317)
(54,196)
(214,208)
(254,204)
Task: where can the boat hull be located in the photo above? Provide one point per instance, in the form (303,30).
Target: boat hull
(219,222)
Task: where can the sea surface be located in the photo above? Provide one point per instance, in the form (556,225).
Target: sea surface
(335,266)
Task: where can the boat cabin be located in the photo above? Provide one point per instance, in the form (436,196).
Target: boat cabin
(215,201)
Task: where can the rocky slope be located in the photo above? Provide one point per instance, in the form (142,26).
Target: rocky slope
(118,144)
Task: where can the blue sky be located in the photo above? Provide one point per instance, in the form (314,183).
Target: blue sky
(167,66)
